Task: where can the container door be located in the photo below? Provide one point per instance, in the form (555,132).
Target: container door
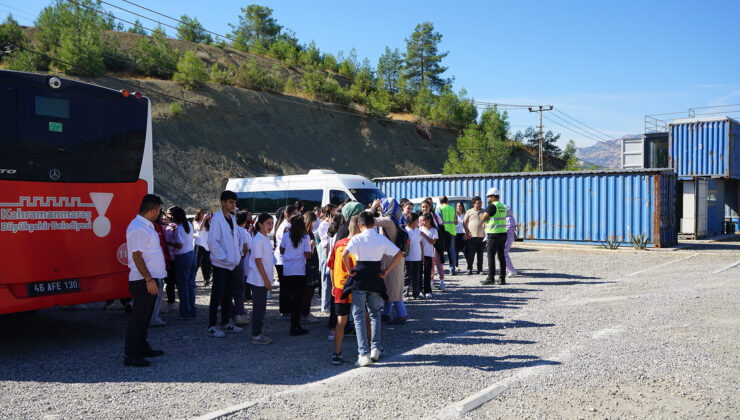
(701,208)
(688,220)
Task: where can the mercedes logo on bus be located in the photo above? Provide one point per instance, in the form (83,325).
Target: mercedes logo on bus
(55,174)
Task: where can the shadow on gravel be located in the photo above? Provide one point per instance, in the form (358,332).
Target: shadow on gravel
(485,363)
(86,346)
(524,273)
(564,283)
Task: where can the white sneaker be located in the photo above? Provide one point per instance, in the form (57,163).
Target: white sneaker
(375,354)
(215,332)
(331,336)
(232,328)
(157,322)
(511,273)
(241,320)
(428,296)
(363,361)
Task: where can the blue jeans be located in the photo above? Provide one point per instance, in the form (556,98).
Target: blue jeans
(327,299)
(155,313)
(186,266)
(374,306)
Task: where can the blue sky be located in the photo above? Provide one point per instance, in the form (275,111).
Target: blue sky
(605,63)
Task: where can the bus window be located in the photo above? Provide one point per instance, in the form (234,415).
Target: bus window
(367,195)
(337,197)
(268,201)
(78,138)
(245,201)
(9,165)
(310,198)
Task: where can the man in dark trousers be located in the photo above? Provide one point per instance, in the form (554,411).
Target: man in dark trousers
(146,262)
(495,220)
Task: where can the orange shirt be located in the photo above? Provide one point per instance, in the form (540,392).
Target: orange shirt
(339,272)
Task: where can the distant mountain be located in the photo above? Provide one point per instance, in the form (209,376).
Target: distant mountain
(606,154)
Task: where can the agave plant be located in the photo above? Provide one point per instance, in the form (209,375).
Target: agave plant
(611,243)
(639,241)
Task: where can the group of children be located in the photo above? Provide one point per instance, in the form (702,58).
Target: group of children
(365,262)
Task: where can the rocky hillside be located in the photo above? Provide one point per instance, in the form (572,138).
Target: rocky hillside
(605,155)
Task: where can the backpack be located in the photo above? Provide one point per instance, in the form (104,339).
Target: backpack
(402,238)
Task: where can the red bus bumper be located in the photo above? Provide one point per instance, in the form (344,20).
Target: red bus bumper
(14,297)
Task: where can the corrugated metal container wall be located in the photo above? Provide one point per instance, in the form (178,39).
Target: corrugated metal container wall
(574,206)
(706,147)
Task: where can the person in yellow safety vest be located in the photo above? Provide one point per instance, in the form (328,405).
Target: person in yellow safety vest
(495,220)
(448,221)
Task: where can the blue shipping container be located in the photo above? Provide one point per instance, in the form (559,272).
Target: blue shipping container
(588,206)
(707,147)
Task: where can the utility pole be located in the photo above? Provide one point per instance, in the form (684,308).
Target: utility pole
(540,109)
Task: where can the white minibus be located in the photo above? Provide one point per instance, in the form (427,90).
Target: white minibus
(317,188)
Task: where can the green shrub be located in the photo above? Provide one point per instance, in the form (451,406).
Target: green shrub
(291,86)
(379,102)
(191,71)
(251,76)
(22,61)
(175,108)
(223,77)
(154,57)
(639,241)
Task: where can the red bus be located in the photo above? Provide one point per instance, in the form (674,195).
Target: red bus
(75,161)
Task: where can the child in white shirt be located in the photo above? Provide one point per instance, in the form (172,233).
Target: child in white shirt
(429,238)
(412,279)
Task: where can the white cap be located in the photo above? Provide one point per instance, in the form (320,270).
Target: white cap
(493,191)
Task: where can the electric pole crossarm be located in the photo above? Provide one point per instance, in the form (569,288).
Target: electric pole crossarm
(540,109)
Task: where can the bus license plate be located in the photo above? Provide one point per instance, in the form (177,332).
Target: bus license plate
(44,288)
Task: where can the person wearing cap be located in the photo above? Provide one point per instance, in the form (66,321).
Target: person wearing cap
(495,220)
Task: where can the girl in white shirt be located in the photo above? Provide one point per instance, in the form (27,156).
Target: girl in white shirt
(259,276)
(201,224)
(295,248)
(429,238)
(414,260)
(459,231)
(185,263)
(283,225)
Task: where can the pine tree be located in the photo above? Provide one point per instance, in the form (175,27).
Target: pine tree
(423,58)
(390,68)
(191,30)
(481,148)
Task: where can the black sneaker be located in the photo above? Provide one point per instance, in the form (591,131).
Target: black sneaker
(470,272)
(298,331)
(488,281)
(502,282)
(136,362)
(336,359)
(384,318)
(152,353)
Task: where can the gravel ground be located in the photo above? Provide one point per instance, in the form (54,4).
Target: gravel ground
(574,336)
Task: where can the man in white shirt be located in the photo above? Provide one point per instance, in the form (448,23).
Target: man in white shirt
(147,269)
(367,284)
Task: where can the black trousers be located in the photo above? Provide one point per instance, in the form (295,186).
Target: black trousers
(496,244)
(428,263)
(259,307)
(169,283)
(412,278)
(459,247)
(283,300)
(220,295)
(203,258)
(474,248)
(141,313)
(294,289)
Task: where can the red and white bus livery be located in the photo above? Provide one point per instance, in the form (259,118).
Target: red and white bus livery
(75,161)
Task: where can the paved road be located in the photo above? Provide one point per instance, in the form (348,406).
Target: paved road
(582,333)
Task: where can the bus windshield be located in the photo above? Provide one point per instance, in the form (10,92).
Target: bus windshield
(366,195)
(70,137)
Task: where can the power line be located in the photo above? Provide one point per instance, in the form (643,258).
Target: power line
(580,134)
(584,132)
(585,125)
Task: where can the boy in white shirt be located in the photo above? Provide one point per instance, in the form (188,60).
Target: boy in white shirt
(238,314)
(412,280)
(366,283)
(429,236)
